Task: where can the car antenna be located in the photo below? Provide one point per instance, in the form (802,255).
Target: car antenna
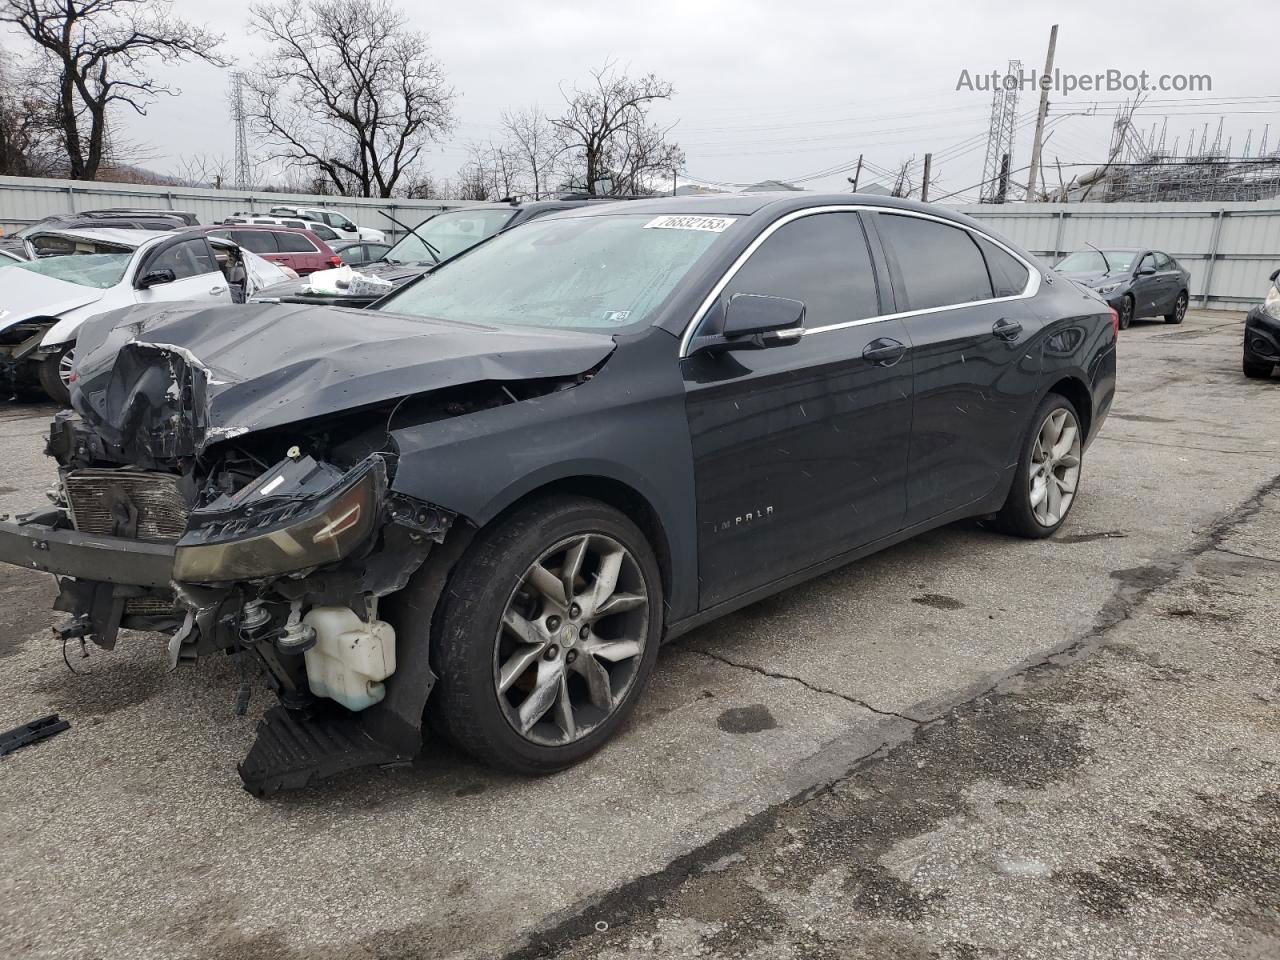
(1105,262)
(435,254)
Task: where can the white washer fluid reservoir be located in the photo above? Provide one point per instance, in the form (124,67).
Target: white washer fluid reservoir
(351,657)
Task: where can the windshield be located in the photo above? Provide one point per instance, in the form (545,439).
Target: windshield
(592,272)
(450,234)
(97,270)
(1091,261)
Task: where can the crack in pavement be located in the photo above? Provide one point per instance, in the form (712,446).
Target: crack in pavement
(804,683)
(1246,556)
(638,897)
(1185,446)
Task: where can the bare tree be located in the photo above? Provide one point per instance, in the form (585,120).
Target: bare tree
(606,136)
(101,51)
(29,140)
(347,90)
(531,137)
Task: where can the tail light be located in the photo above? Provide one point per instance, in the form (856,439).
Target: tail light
(336,261)
(1115,325)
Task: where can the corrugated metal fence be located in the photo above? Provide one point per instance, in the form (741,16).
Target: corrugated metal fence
(1230,248)
(24,200)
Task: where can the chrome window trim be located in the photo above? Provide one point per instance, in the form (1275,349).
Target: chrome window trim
(1030,290)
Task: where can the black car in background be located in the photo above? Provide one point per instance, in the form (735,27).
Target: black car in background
(432,242)
(495,497)
(1135,282)
(1262,334)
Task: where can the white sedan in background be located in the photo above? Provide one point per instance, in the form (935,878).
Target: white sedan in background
(80,273)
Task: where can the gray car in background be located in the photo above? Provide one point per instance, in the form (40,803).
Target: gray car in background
(1136,282)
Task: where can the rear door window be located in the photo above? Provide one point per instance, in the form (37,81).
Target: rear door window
(821,260)
(256,241)
(323,232)
(940,265)
(1009,275)
(293,243)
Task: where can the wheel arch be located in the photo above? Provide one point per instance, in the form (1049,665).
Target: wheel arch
(624,497)
(1077,391)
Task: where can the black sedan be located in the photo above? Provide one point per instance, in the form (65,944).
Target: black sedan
(1135,282)
(492,501)
(1262,334)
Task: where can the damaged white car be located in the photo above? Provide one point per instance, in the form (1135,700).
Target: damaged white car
(81,273)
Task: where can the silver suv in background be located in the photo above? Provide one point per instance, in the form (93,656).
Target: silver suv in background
(341,225)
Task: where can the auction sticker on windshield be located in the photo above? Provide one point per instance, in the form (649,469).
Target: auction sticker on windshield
(709,224)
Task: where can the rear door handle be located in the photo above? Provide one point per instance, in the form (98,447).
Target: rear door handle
(1007,329)
(883,352)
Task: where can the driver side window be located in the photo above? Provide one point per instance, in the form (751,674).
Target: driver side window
(190,258)
(823,261)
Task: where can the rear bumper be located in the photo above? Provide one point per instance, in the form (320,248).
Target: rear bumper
(85,556)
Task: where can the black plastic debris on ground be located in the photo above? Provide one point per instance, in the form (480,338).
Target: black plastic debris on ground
(31,732)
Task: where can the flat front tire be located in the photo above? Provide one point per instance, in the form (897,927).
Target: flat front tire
(549,631)
(1048,475)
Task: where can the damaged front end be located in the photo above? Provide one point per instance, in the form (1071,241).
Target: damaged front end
(281,563)
(230,478)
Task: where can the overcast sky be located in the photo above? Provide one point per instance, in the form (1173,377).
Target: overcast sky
(783,90)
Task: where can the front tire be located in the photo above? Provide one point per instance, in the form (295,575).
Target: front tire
(1048,475)
(1126,312)
(1179,309)
(549,632)
(54,373)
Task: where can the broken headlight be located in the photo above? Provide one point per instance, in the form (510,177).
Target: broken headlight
(269,532)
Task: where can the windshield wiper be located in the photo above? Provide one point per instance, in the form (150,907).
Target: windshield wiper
(435,254)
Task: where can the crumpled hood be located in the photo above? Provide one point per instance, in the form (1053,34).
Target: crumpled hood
(291,290)
(165,381)
(24,295)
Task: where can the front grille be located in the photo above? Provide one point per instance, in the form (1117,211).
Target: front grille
(112,501)
(151,606)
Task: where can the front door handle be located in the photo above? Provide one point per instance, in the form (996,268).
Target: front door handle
(1007,329)
(883,352)
(216,291)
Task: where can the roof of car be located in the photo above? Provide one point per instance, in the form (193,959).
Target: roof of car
(116,236)
(748,204)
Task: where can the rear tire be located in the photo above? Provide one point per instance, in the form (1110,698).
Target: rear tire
(1179,309)
(505,642)
(1257,369)
(50,372)
(1048,475)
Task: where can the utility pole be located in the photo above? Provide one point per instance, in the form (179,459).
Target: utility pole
(924,187)
(1002,190)
(1044,109)
(673,182)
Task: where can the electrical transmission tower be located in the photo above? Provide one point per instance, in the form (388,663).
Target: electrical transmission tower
(241,122)
(1000,135)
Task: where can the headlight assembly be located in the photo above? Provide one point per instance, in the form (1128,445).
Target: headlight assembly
(284,536)
(1109,288)
(1271,306)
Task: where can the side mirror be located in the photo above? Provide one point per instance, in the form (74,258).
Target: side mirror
(747,317)
(154,278)
(1274,275)
(1145,271)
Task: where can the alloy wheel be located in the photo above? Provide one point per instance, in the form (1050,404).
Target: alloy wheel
(1126,313)
(572,639)
(65,363)
(1180,308)
(1055,467)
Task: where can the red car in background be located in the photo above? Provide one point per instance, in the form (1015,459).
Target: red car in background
(300,250)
